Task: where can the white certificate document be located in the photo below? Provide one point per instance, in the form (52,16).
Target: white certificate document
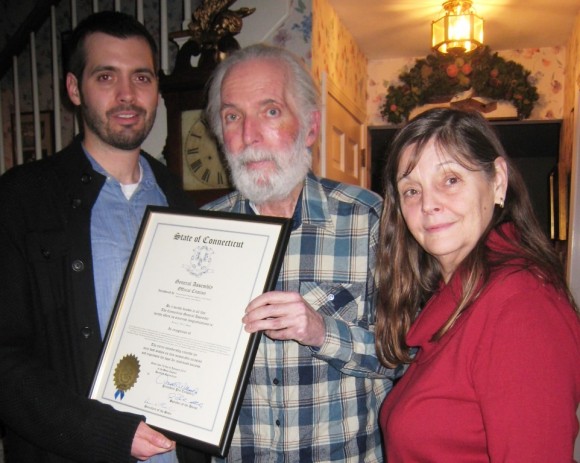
(176,350)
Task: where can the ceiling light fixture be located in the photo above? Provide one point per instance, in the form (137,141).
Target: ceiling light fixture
(459,30)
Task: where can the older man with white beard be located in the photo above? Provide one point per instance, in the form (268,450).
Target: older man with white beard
(316,385)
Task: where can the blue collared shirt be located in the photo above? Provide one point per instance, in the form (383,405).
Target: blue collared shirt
(115,222)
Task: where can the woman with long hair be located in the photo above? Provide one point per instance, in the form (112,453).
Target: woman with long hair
(472,296)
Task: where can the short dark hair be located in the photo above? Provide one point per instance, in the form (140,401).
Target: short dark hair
(112,23)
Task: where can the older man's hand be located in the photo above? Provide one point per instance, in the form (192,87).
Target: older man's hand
(285,316)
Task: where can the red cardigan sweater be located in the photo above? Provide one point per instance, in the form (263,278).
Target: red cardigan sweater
(502,385)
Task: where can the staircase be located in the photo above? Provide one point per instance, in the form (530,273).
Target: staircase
(36,117)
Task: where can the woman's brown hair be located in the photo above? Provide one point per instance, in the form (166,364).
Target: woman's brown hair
(407,275)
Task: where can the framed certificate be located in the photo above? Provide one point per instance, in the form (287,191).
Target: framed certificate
(176,350)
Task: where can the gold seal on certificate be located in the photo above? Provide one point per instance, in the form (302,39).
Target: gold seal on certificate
(126,374)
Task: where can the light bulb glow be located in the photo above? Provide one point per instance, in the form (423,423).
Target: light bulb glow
(458,30)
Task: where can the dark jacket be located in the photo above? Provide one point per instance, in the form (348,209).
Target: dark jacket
(49,332)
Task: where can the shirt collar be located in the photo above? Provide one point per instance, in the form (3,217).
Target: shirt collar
(147,181)
(314,203)
(311,207)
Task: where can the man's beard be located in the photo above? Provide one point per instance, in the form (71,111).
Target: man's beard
(291,167)
(127,138)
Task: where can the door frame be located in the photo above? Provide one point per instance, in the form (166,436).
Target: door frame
(329,89)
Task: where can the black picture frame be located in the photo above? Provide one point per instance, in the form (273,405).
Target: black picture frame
(175,349)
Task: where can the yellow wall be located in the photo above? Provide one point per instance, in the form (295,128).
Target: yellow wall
(335,52)
(571,88)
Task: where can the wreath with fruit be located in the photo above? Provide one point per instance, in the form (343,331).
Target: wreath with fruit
(437,78)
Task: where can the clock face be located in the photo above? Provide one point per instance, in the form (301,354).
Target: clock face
(202,164)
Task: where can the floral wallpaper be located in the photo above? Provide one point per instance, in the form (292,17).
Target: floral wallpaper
(336,52)
(295,34)
(546,65)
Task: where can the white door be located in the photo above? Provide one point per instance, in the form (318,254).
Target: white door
(343,144)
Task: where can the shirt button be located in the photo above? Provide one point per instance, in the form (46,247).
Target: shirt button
(277,422)
(86,178)
(76,203)
(330,297)
(78,265)
(86,332)
(45,253)
(276,381)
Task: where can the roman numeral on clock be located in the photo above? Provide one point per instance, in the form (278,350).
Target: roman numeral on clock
(195,165)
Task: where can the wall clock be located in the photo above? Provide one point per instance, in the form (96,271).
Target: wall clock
(202,162)
(191,152)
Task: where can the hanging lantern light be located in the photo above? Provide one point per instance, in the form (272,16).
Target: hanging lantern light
(459,30)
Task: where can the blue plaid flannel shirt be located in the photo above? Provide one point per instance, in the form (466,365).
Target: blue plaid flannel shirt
(320,405)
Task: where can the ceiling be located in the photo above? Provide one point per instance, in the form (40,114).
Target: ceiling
(386,29)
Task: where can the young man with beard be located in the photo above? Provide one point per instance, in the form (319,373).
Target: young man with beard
(67,228)
(316,385)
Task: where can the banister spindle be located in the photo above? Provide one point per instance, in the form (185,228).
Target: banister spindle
(17,122)
(55,81)
(35,99)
